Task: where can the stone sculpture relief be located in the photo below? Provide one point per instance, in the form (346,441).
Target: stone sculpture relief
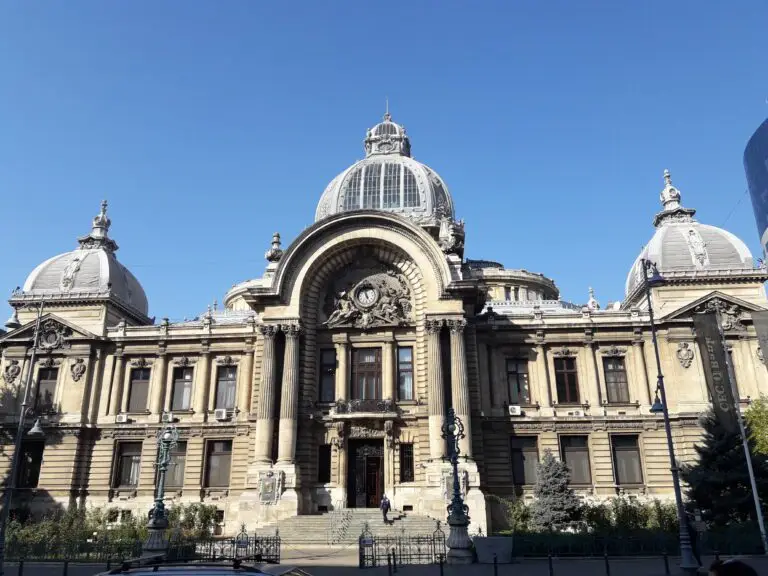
(697,247)
(53,335)
(12,371)
(685,354)
(78,369)
(381,297)
(271,486)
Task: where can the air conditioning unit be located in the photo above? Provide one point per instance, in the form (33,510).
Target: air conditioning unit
(579,413)
(167,418)
(515,411)
(121,419)
(220,414)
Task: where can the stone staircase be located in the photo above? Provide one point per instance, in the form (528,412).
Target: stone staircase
(344,527)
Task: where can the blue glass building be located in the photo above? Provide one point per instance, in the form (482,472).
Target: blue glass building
(756,167)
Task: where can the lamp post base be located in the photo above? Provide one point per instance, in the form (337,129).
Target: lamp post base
(459,544)
(156,542)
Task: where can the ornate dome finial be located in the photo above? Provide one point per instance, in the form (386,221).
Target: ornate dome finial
(275,252)
(387,137)
(672,209)
(592,303)
(99,238)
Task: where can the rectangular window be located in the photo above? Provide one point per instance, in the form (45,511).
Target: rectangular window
(567,381)
(372,186)
(524,452)
(217,463)
(324,463)
(174,477)
(405,373)
(182,389)
(391,185)
(327,375)
(406,463)
(616,380)
(507,293)
(574,451)
(30,461)
(139,389)
(226,387)
(128,465)
(366,374)
(352,195)
(46,389)
(517,382)
(626,460)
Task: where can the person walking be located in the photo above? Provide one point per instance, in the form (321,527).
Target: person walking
(385,507)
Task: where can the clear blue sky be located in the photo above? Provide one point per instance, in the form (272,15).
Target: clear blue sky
(210,125)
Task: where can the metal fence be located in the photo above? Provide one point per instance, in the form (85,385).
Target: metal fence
(376,550)
(106,551)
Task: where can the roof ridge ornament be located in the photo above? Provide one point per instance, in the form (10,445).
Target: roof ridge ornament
(672,208)
(99,235)
(275,252)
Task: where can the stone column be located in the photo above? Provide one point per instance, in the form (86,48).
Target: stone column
(158,384)
(118,382)
(596,397)
(749,386)
(484,374)
(542,375)
(203,381)
(388,371)
(643,390)
(342,377)
(265,411)
(460,384)
(435,383)
(289,400)
(245,384)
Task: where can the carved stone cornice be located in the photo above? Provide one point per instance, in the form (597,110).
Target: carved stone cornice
(227,361)
(613,352)
(564,352)
(49,362)
(184,361)
(141,363)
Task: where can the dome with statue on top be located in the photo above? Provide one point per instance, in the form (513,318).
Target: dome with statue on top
(388,179)
(683,245)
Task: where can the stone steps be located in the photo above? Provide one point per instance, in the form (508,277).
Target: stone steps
(344,527)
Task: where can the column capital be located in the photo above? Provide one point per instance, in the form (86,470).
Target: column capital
(457,326)
(269,331)
(291,330)
(433,325)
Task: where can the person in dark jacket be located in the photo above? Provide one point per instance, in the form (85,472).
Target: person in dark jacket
(385,507)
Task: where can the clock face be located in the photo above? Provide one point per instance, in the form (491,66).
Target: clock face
(367,296)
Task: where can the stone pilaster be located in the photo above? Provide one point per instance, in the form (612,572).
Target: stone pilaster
(159,377)
(342,376)
(202,385)
(542,376)
(459,383)
(289,400)
(435,384)
(116,401)
(593,379)
(388,371)
(245,384)
(265,411)
(641,373)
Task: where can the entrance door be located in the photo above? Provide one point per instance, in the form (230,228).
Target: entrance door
(374,485)
(365,474)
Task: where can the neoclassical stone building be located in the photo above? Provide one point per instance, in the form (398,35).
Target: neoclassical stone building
(323,383)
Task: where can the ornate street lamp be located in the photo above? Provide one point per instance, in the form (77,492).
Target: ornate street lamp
(35,431)
(459,544)
(156,543)
(652,278)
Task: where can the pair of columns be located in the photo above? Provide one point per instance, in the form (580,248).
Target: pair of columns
(459,385)
(289,398)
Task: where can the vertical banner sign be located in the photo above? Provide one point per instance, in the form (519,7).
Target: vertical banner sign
(716,369)
(760,320)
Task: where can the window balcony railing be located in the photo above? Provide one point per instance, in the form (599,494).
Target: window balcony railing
(372,405)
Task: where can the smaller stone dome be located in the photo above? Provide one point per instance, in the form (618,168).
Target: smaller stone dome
(92,270)
(681,244)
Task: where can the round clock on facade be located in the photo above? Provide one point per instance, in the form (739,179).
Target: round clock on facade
(367,296)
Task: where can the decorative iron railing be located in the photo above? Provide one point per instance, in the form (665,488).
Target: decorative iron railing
(401,549)
(368,405)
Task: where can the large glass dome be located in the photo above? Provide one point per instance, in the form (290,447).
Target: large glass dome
(388,179)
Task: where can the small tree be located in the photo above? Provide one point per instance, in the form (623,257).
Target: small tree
(757,420)
(556,504)
(718,484)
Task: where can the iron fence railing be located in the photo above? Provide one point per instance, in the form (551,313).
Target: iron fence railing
(402,549)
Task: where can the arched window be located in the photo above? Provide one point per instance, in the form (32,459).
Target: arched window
(352,197)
